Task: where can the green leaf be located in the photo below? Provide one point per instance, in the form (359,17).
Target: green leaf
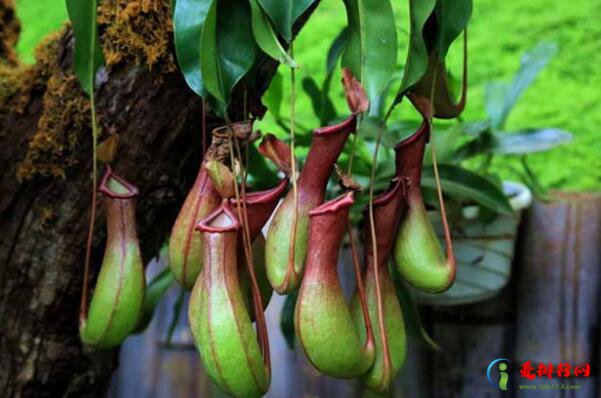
(371,49)
(445,142)
(228,48)
(504,143)
(322,104)
(335,51)
(531,65)
(266,37)
(452,17)
(88,53)
(415,327)
(399,130)
(481,145)
(462,183)
(178,306)
(287,319)
(188,20)
(155,291)
(262,176)
(475,128)
(377,106)
(531,180)
(529,141)
(334,54)
(273,96)
(284,13)
(417,56)
(496,92)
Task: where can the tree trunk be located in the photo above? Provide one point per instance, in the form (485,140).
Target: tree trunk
(45,200)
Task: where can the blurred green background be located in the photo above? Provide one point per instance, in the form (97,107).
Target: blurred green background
(566,95)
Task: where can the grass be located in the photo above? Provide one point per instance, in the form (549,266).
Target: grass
(566,95)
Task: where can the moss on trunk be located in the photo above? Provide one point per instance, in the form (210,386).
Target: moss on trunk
(9,31)
(137,31)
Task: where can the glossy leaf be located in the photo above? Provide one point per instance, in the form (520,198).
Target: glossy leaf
(496,92)
(483,144)
(155,291)
(509,143)
(533,182)
(287,319)
(176,313)
(417,56)
(335,51)
(445,142)
(284,13)
(531,65)
(452,17)
(228,48)
(371,49)
(415,326)
(188,20)
(273,96)
(321,103)
(530,141)
(262,176)
(476,128)
(266,38)
(378,104)
(334,54)
(88,52)
(457,181)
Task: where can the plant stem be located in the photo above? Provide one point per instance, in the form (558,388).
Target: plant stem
(204,127)
(372,228)
(246,243)
(369,335)
(83,309)
(445,224)
(447,232)
(292,247)
(352,155)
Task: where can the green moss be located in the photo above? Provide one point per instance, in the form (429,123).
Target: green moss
(53,148)
(138,31)
(10,84)
(131,31)
(9,31)
(64,119)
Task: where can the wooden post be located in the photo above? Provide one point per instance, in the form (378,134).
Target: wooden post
(559,280)
(471,337)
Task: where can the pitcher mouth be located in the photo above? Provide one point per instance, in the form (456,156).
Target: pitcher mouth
(332,206)
(348,125)
(231,221)
(423,129)
(396,185)
(269,195)
(116,187)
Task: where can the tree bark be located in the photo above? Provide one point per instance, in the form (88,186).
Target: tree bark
(44,219)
